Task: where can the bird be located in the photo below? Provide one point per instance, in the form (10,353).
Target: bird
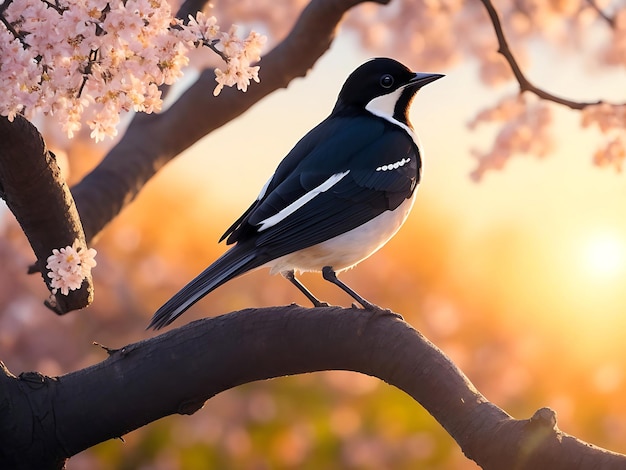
(338,196)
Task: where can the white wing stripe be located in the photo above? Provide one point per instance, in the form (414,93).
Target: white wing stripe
(301,201)
(264,188)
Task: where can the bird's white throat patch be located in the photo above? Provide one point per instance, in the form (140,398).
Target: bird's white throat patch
(384,107)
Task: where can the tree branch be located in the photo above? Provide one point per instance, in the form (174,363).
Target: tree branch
(524,83)
(43,426)
(35,192)
(153,140)
(609,19)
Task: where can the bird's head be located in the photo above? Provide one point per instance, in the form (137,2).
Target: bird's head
(383,87)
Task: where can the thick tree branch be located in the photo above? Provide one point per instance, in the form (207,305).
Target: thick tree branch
(524,83)
(153,140)
(32,186)
(40,424)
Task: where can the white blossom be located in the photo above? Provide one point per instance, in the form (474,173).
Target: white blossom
(69,266)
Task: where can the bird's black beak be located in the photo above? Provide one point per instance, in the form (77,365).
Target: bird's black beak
(422,79)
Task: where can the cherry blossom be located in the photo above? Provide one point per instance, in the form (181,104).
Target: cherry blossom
(610,120)
(526,131)
(114,59)
(606,116)
(69,266)
(613,154)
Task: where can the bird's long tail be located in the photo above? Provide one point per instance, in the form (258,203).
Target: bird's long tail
(231,264)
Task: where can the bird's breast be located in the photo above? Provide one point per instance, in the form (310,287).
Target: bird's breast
(348,249)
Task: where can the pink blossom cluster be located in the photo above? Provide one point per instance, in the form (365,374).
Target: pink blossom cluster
(614,51)
(69,266)
(526,130)
(611,120)
(613,154)
(605,115)
(91,59)
(414,32)
(237,53)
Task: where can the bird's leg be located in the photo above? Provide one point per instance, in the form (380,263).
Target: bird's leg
(291,277)
(331,276)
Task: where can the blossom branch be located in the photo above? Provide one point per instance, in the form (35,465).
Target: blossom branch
(609,19)
(115,57)
(37,195)
(59,9)
(212,45)
(524,83)
(187,9)
(514,136)
(153,140)
(258,344)
(10,27)
(4,6)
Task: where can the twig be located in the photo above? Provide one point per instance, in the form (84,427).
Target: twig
(4,6)
(59,9)
(524,83)
(13,31)
(213,46)
(609,19)
(93,57)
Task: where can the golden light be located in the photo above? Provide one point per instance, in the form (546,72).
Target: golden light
(604,255)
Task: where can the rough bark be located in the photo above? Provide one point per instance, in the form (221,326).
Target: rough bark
(41,424)
(32,186)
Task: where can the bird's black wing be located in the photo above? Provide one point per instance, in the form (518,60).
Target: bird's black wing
(361,143)
(371,186)
(240,229)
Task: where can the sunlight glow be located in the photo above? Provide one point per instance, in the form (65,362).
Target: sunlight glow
(604,255)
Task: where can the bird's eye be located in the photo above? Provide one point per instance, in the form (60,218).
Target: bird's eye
(386,81)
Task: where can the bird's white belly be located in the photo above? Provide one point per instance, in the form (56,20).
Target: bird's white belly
(348,249)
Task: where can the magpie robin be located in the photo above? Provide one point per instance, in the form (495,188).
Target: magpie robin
(339,195)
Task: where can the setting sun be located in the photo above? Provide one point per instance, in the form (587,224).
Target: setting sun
(604,255)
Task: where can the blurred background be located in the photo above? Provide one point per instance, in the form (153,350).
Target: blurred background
(517,274)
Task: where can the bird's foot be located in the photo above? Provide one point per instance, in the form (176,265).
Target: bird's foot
(315,305)
(382,312)
(365,305)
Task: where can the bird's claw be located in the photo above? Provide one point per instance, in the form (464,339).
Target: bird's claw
(383,312)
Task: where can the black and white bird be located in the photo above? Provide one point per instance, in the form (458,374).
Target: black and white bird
(339,195)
